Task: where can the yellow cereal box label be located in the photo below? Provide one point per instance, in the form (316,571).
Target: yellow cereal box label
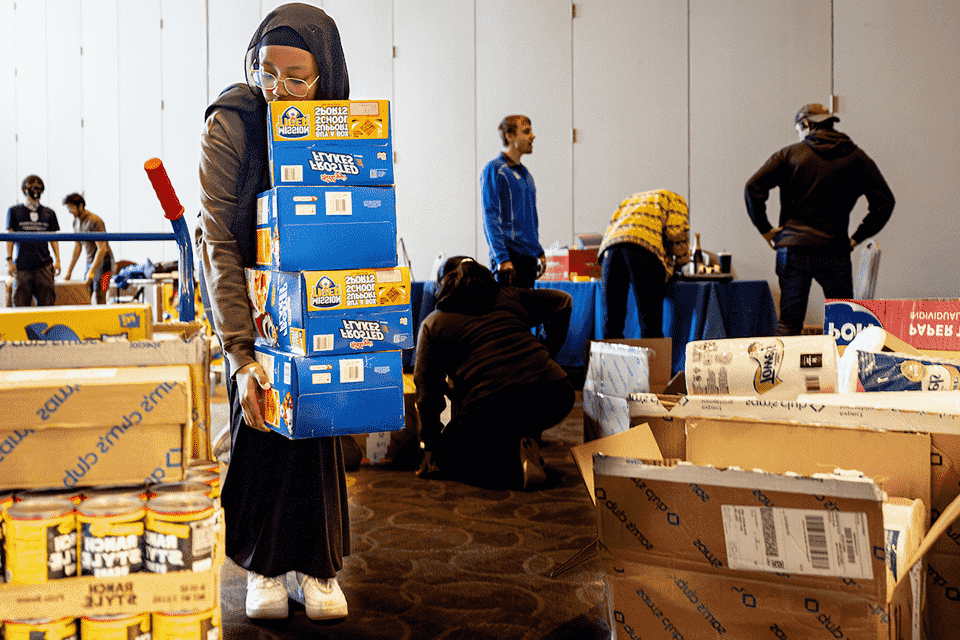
(330,120)
(357,288)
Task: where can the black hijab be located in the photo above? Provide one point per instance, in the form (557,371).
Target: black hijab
(319,32)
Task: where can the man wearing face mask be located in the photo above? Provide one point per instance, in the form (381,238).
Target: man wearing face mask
(33,268)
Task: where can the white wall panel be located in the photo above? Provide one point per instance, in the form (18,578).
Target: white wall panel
(139,121)
(524,66)
(101,136)
(9,172)
(64,111)
(753,64)
(366,34)
(630,104)
(30,56)
(183,50)
(898,84)
(230,25)
(433,135)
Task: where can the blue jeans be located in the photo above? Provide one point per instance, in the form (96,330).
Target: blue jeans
(797,269)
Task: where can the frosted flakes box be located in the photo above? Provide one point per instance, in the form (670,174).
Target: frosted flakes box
(315,228)
(330,142)
(313,397)
(332,312)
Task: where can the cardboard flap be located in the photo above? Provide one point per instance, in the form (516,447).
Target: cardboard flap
(947,517)
(635,442)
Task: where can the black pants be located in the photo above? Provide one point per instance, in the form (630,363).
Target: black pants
(525,271)
(480,445)
(625,264)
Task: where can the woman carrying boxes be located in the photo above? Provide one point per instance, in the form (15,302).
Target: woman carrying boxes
(284,500)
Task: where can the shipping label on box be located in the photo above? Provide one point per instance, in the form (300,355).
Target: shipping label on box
(78,427)
(80,322)
(316,228)
(313,397)
(704,551)
(330,142)
(332,312)
(928,325)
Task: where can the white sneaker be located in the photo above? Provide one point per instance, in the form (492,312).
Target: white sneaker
(266,598)
(323,598)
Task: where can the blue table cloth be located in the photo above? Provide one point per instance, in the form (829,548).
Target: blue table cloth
(691,311)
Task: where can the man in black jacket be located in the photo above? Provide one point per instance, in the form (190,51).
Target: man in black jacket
(820,179)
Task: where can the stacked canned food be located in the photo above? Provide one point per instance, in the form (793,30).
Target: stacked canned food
(108,532)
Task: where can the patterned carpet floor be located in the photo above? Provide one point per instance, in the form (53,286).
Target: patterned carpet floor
(435,559)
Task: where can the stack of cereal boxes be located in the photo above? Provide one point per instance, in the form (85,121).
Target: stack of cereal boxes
(330,304)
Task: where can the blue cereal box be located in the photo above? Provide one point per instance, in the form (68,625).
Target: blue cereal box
(316,228)
(330,142)
(332,312)
(312,397)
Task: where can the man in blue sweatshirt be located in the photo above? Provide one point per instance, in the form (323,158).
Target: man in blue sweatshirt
(820,180)
(510,208)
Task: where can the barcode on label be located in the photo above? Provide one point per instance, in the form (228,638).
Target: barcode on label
(813,383)
(817,542)
(339,203)
(323,342)
(851,550)
(291,173)
(351,371)
(769,532)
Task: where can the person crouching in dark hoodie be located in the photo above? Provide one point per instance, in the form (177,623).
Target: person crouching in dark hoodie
(504,385)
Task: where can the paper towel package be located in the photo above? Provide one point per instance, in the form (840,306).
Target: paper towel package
(781,367)
(614,372)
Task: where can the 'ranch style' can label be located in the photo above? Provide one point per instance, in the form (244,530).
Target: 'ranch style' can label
(111,535)
(120,627)
(180,533)
(187,625)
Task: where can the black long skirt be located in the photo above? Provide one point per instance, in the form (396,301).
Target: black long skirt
(284,501)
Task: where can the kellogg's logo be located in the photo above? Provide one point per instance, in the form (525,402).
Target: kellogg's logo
(292,123)
(326,293)
(769,358)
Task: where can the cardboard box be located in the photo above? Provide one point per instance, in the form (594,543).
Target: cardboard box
(571,264)
(80,322)
(397,449)
(609,414)
(677,559)
(332,312)
(72,292)
(330,142)
(313,397)
(317,228)
(190,349)
(932,326)
(83,427)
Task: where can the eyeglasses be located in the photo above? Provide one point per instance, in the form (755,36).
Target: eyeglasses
(294,86)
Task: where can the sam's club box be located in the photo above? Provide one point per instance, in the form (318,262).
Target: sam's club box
(312,397)
(332,312)
(305,228)
(335,142)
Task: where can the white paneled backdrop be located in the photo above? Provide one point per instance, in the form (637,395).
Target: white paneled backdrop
(687,95)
